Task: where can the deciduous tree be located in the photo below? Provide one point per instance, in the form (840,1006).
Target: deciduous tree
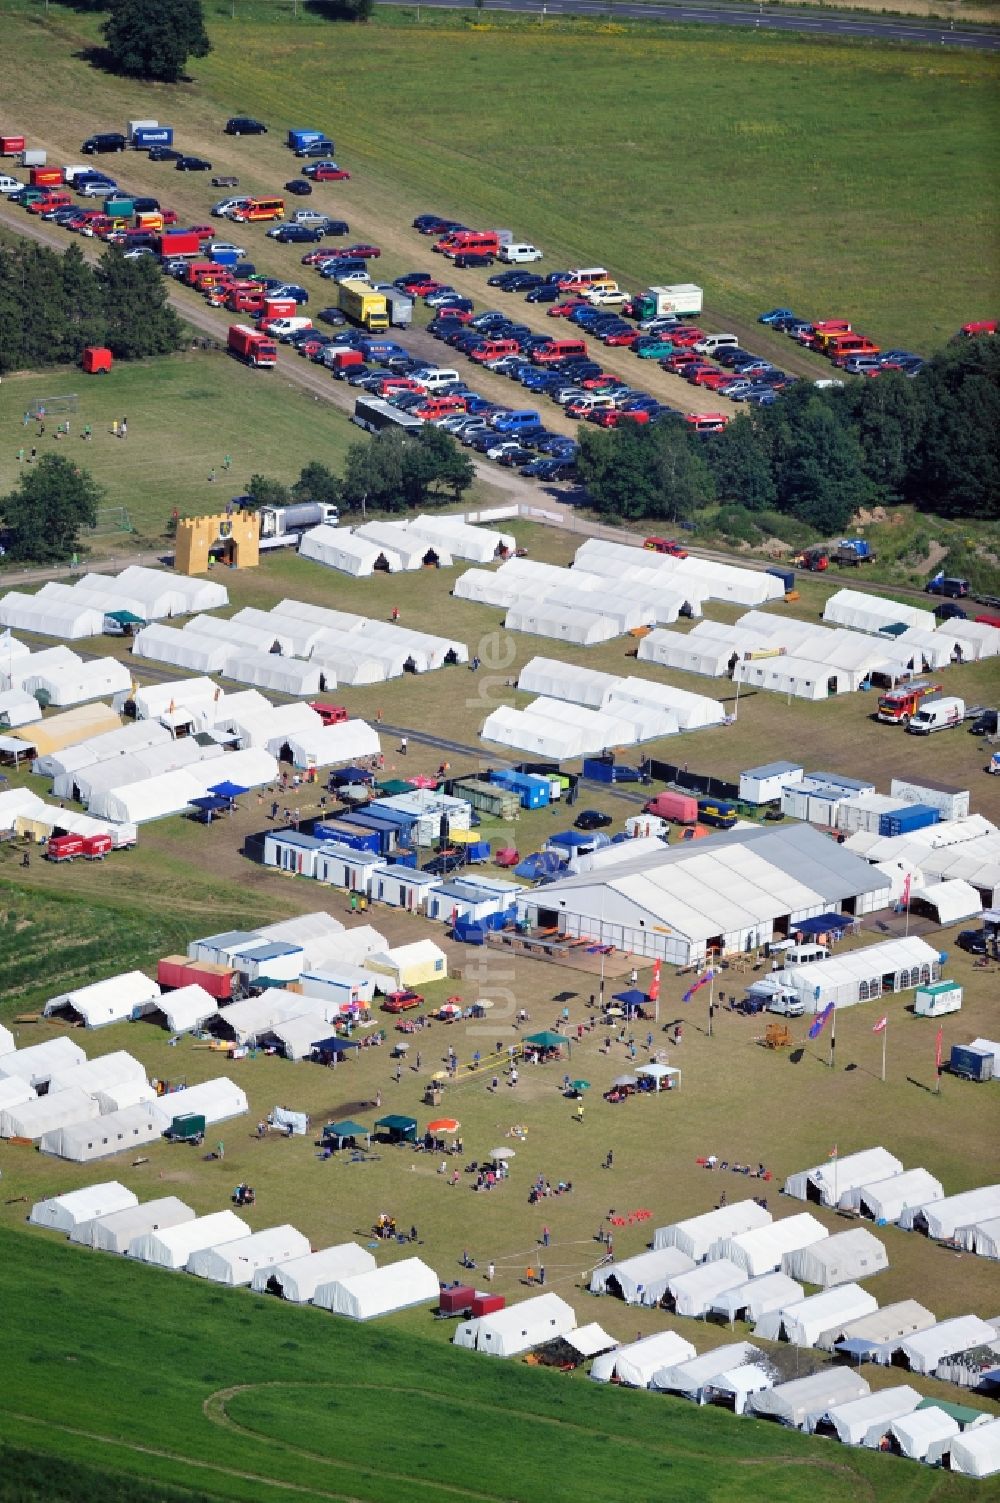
(155,38)
(43,515)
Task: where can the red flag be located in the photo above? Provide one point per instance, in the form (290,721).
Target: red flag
(833,1152)
(937,1049)
(906,890)
(882,1023)
(654,985)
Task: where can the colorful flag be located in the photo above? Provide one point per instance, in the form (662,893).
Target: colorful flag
(937,1049)
(906,890)
(820,1021)
(654,985)
(882,1023)
(702,981)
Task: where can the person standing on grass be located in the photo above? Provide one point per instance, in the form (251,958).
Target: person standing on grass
(579,1111)
(490,1271)
(227,462)
(33,455)
(20,456)
(123,430)
(114,427)
(609,1159)
(546,1236)
(88,432)
(402,746)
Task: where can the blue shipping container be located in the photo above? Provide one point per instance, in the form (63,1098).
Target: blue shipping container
(153,135)
(913,817)
(299,138)
(222,257)
(355,839)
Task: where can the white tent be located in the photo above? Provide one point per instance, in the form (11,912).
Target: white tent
(762,1249)
(693,1379)
(237,1262)
(51,615)
(697,1235)
(542,618)
(93,679)
(268,670)
(297,1279)
(858,1419)
(927,1349)
(62,1213)
(318,615)
(543,737)
(518,1328)
(255,1016)
(113,1000)
(172,594)
(349,664)
(555,679)
(245,635)
(363,1296)
(340,549)
(407,965)
(216,1100)
(262,724)
(96,785)
(197,694)
(694,1293)
(422,650)
(641,1280)
(736,1386)
(804,1322)
(33,1119)
(15,670)
(115,1132)
(187,1007)
(184,649)
(481,545)
(950,901)
(14,1092)
(692,711)
(976,1453)
(689,651)
(841,1259)
(64,765)
(863,975)
(103,1073)
(925,1434)
(299,1035)
(796,1403)
(39,1062)
(872,613)
(942,1218)
(756,1297)
(830,1181)
(981,1238)
(17,707)
(112,1232)
(890,1324)
(636,1364)
(885,1200)
(328,745)
(412,550)
(7,1044)
(323,937)
(172,1246)
(977,638)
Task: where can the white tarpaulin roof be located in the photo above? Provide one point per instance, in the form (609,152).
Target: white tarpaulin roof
(836,1177)
(338,548)
(73,685)
(409,547)
(804,1322)
(215,1100)
(6,1040)
(696,1235)
(15,670)
(299,1034)
(693,1377)
(328,745)
(891,1323)
(840,978)
(943,1217)
(32,1119)
(153,700)
(243,635)
(925,1433)
(692,651)
(111,1001)
(762,1250)
(871,613)
(187,1007)
(757,1296)
(64,1212)
(184,649)
(691,711)
(179,593)
(840,1259)
(694,1293)
(13,1092)
(479,544)
(981,1237)
(887,1199)
(543,618)
(708,579)
(237,1262)
(135,736)
(97,784)
(297,1279)
(925,1350)
(795,1403)
(113,1232)
(115,1132)
(102,1073)
(642,1280)
(363,1296)
(953,899)
(978,638)
(529,1323)
(257,1015)
(268,670)
(51,615)
(39,1062)
(976,1453)
(17,707)
(857,1419)
(638,1362)
(590,1339)
(172,1246)
(555,679)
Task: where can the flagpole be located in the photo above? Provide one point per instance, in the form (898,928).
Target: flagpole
(711,1002)
(833,1037)
(885,1035)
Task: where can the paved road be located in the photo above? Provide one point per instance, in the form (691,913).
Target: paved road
(882,29)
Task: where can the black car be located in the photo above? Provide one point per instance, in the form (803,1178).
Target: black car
(591,819)
(513,459)
(440,866)
(104,141)
(336,227)
(298,234)
(949,611)
(548,292)
(299,187)
(164,154)
(244,125)
(322,148)
(469,259)
(973,941)
(503,279)
(332,316)
(986,724)
(192,164)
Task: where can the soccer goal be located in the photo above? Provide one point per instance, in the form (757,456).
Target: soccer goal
(43,407)
(111,519)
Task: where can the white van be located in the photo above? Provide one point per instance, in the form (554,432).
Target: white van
(937,715)
(786,1005)
(10,184)
(713,342)
(518,251)
(593,401)
(586,274)
(281,328)
(804,954)
(434,380)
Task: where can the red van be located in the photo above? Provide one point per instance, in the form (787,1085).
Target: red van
(494,349)
(559,349)
(439,407)
(469,242)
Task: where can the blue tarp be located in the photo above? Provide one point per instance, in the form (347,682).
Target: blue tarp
(540,864)
(351,775)
(631,999)
(826,923)
(210,803)
(226,789)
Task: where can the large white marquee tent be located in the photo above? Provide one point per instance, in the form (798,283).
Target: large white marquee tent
(236,1262)
(173,1246)
(297,1279)
(63,1213)
(518,1328)
(698,1234)
(114,1230)
(363,1296)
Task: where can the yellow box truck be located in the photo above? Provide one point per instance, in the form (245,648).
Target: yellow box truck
(365,307)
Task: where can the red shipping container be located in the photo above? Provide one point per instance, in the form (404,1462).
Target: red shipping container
(486,1304)
(46,177)
(456,1299)
(174,971)
(11,146)
(281,307)
(96,847)
(64,847)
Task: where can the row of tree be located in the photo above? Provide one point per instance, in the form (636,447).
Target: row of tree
(817,455)
(53,305)
(388,472)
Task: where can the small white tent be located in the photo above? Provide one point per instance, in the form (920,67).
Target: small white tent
(872,613)
(112,1232)
(854,1422)
(183,649)
(172,1246)
(39,1062)
(925,1434)
(694,1293)
(641,1280)
(693,1379)
(804,1322)
(925,1350)
(688,651)
(698,1234)
(329,745)
(51,615)
(94,678)
(412,550)
(529,1323)
(363,1296)
(761,1250)
(14,1092)
(17,707)
(841,1259)
(297,1279)
(111,1001)
(828,1182)
(756,1297)
(103,1073)
(981,1238)
(187,1007)
(942,1218)
(236,1262)
(796,1403)
(893,1323)
(216,1100)
(268,670)
(636,1364)
(885,1200)
(976,1452)
(115,1132)
(545,619)
(172,594)
(339,549)
(63,1213)
(32,1119)
(480,545)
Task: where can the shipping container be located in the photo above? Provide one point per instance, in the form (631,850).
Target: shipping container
(950,802)
(911,817)
(681,808)
(486,1304)
(175,971)
(33,158)
(153,135)
(533,792)
(352,836)
(971,1062)
(46,177)
(489,798)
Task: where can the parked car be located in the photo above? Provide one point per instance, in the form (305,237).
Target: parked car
(192,164)
(299,187)
(472,259)
(776,317)
(320,148)
(402,1001)
(328,172)
(331,316)
(295,234)
(163,154)
(244,125)
(972,941)
(592,819)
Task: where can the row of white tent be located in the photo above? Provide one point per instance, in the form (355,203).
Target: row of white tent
(297,648)
(874,614)
(29,816)
(394,547)
(615,694)
(79,610)
(55,676)
(965,850)
(702,578)
(558,730)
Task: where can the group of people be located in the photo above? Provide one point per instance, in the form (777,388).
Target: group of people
(543,1188)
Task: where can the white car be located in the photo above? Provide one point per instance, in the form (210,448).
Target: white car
(600,298)
(225,206)
(306,217)
(10,184)
(228,248)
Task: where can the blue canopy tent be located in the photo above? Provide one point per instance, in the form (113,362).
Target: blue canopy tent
(631,1001)
(825,923)
(333,1049)
(541,864)
(351,775)
(228,790)
(208,805)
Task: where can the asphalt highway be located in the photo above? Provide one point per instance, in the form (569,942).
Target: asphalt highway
(878,28)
